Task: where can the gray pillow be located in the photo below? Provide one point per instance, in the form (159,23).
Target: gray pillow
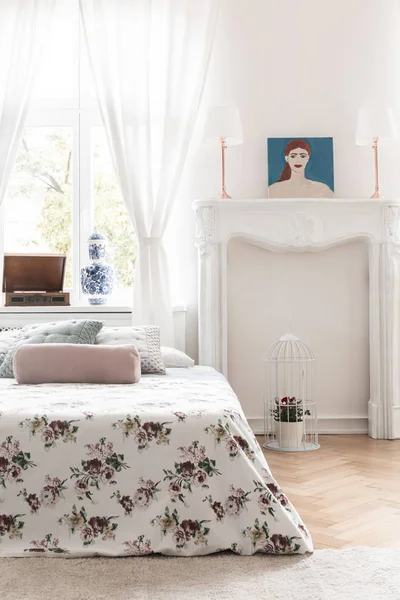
(8,337)
(61,332)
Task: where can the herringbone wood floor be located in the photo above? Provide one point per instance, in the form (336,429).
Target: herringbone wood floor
(347,492)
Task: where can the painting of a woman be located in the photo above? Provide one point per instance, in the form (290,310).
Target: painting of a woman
(293,181)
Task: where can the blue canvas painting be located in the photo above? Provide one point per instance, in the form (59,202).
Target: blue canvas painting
(300,167)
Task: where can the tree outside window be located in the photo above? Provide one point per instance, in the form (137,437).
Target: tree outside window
(39,204)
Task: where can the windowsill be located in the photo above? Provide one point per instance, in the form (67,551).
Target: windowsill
(101,308)
(84,308)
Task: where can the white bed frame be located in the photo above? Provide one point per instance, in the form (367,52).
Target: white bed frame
(112,316)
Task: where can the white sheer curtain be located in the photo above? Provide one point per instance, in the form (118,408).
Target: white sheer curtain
(23,26)
(150,60)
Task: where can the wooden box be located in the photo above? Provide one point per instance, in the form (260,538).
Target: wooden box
(34,280)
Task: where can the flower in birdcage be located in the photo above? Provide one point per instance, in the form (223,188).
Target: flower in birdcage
(289,410)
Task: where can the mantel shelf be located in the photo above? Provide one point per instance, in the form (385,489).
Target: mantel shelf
(273,202)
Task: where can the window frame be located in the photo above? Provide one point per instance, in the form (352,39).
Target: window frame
(81,121)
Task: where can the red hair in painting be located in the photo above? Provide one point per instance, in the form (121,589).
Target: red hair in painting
(287,171)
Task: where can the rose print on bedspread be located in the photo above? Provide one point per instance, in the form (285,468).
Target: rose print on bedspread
(138,547)
(13,461)
(270,484)
(235,444)
(100,468)
(11,525)
(89,528)
(144,433)
(183,532)
(49,496)
(49,545)
(142,498)
(51,432)
(193,470)
(233,505)
(259,536)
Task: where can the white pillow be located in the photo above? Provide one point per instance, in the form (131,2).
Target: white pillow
(146,339)
(173,358)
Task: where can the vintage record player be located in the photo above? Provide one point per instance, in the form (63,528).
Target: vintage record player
(34,280)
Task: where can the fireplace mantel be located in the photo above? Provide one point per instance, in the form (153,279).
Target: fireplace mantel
(304,225)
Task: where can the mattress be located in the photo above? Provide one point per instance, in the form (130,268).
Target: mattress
(168,465)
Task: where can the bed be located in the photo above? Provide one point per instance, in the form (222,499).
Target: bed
(168,465)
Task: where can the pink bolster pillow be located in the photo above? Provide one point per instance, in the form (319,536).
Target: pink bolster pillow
(76,363)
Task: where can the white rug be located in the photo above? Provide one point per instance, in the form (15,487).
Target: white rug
(356,574)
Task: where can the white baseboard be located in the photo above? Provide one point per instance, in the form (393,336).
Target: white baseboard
(327,425)
(396,422)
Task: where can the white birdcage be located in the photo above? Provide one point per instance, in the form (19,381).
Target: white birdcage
(290,414)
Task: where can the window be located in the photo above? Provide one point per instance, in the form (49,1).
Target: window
(63,185)
(38,205)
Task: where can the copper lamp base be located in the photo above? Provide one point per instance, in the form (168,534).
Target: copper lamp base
(223,195)
(375,145)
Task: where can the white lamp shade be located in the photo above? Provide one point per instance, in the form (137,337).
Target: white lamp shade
(374,122)
(224,122)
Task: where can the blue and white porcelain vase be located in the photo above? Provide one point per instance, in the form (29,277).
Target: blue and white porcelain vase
(97,278)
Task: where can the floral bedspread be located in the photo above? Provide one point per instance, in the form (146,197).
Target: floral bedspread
(168,465)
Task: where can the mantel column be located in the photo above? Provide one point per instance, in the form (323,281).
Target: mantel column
(209,289)
(390,322)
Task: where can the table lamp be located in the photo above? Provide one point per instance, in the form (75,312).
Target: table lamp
(373,125)
(223,124)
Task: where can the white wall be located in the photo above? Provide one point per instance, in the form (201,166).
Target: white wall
(325,295)
(294,68)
